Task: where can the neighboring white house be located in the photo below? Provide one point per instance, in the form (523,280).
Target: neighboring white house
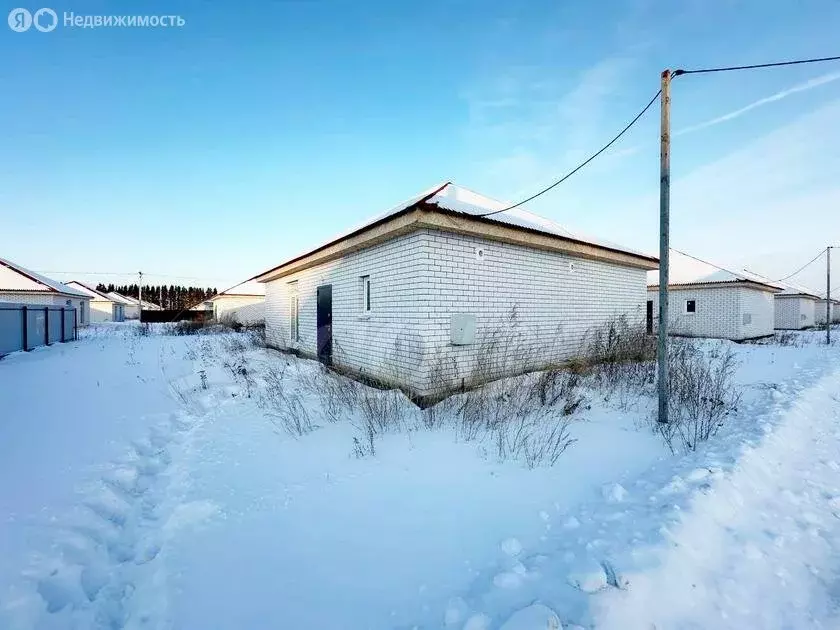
(243,304)
(22,286)
(131,309)
(821,311)
(705,300)
(432,295)
(796,308)
(102,308)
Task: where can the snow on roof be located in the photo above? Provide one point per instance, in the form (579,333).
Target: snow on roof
(118,297)
(462,200)
(798,289)
(248,287)
(789,288)
(89,291)
(685,269)
(17,278)
(453,198)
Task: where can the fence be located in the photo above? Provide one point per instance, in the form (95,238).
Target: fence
(27,326)
(175,316)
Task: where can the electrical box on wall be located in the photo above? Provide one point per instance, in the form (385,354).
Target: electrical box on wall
(462,329)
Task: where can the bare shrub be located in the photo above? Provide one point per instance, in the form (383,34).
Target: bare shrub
(525,418)
(621,359)
(787,338)
(256,335)
(702,393)
(184,328)
(537,438)
(336,394)
(383,410)
(284,408)
(554,385)
(236,363)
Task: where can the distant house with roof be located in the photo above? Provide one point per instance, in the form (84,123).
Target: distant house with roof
(797,308)
(131,305)
(449,289)
(821,312)
(19,285)
(102,307)
(243,303)
(131,309)
(705,300)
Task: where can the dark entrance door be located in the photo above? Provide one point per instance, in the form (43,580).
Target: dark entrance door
(324,324)
(649,319)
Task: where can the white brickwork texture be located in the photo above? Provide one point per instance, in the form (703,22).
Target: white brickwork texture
(244,309)
(45,298)
(419,280)
(819,314)
(794,313)
(731,312)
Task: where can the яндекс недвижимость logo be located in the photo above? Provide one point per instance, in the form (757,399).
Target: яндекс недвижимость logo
(44,20)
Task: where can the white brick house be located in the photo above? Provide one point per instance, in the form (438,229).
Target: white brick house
(21,286)
(705,300)
(131,309)
(796,308)
(243,304)
(821,311)
(102,307)
(418,295)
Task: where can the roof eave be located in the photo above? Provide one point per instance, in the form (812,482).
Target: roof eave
(751,284)
(421,215)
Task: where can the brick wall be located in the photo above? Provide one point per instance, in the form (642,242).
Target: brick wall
(794,313)
(557,299)
(364,341)
(719,312)
(759,306)
(419,280)
(716,311)
(244,309)
(44,298)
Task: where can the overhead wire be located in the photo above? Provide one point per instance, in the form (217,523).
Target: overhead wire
(582,164)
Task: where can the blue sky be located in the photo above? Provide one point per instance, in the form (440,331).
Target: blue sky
(219,149)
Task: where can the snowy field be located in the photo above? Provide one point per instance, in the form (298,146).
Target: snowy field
(152,481)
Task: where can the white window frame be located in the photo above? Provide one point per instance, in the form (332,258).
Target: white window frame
(294,312)
(685,307)
(365,294)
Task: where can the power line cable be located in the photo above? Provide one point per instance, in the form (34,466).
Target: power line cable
(808,264)
(126,273)
(582,164)
(705,262)
(755,66)
(680,72)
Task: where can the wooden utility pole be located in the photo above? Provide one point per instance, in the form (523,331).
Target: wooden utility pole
(664,237)
(828,295)
(140,297)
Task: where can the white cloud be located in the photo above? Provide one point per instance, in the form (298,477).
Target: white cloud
(778,96)
(525,127)
(769,205)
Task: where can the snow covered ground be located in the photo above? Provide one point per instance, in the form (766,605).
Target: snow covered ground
(144,488)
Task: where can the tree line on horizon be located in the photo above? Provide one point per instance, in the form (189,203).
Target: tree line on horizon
(172,297)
